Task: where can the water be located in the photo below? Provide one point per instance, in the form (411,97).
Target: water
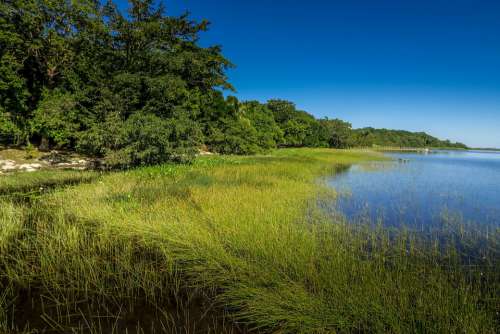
(422,190)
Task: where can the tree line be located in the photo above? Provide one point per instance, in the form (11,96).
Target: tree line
(138,89)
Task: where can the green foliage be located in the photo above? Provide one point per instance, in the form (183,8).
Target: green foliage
(56,118)
(227,130)
(269,134)
(368,137)
(296,125)
(9,131)
(234,136)
(30,151)
(13,92)
(337,133)
(295,133)
(71,71)
(142,139)
(81,75)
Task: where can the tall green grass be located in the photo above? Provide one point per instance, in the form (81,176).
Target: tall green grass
(227,245)
(25,185)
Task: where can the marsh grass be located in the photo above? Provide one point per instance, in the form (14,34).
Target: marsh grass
(226,245)
(22,184)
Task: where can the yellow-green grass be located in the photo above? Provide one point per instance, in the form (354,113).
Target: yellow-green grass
(23,184)
(18,155)
(228,244)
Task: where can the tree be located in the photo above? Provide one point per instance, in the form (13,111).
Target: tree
(338,133)
(228,130)
(297,126)
(139,89)
(269,134)
(398,138)
(56,118)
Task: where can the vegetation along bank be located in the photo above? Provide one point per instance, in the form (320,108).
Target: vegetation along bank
(138,89)
(227,244)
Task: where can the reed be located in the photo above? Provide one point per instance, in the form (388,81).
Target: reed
(228,245)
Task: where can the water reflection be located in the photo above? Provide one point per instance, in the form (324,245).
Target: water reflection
(423,191)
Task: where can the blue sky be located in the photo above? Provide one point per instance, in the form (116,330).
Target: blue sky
(421,65)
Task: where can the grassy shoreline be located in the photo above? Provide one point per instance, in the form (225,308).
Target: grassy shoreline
(226,245)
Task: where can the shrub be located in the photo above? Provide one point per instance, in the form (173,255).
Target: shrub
(234,136)
(142,139)
(9,132)
(56,118)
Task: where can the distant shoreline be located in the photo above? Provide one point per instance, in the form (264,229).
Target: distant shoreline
(486,149)
(413,149)
(426,149)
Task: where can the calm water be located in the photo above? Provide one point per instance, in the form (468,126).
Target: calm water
(426,190)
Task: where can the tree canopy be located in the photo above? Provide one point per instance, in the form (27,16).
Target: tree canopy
(399,138)
(138,89)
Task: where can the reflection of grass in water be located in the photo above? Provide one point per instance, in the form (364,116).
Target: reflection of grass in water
(464,249)
(230,239)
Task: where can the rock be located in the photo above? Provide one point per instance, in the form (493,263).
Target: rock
(30,167)
(7,162)
(64,165)
(53,160)
(7,165)
(73,164)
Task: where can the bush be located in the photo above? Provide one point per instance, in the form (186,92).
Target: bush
(269,134)
(9,132)
(56,118)
(142,139)
(233,136)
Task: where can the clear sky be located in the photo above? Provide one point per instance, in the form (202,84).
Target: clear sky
(420,65)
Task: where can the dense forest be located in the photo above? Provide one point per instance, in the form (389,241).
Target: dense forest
(137,88)
(398,138)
